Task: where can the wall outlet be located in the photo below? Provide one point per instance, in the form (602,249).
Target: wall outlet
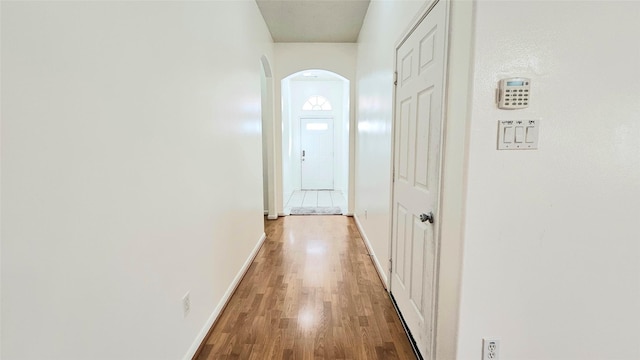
(186,304)
(490,349)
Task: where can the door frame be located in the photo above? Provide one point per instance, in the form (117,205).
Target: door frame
(268,138)
(422,14)
(333,144)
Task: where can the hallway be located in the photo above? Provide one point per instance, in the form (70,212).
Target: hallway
(311,292)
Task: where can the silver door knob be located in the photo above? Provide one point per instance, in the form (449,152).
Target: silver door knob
(427,217)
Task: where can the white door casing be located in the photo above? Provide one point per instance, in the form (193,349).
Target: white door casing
(316,154)
(420,66)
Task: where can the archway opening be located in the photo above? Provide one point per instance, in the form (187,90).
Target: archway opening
(268,148)
(315,142)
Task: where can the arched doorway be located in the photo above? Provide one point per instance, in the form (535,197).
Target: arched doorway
(268,144)
(315,143)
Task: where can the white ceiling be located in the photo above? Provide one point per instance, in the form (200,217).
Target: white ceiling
(314,20)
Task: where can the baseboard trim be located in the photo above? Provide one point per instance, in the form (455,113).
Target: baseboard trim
(379,269)
(198,344)
(272,217)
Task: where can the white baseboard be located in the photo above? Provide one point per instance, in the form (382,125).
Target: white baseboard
(272,217)
(379,268)
(225,298)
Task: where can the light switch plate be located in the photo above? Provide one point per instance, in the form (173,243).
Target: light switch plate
(518,134)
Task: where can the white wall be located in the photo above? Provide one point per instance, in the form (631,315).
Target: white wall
(131,172)
(552,241)
(383,27)
(284,157)
(291,58)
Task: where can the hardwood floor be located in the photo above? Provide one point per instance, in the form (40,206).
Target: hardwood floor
(311,293)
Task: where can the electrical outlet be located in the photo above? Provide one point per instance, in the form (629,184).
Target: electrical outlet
(186,304)
(490,349)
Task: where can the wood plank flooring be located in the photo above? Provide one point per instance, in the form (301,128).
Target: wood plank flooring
(311,293)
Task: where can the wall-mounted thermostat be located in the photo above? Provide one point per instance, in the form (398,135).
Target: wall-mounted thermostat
(513,93)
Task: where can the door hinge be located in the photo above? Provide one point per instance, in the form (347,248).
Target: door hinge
(395,78)
(390,265)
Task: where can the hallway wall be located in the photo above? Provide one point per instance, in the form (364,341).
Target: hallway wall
(551,236)
(131,172)
(382,30)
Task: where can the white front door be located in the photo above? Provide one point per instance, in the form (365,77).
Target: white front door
(417,127)
(316,155)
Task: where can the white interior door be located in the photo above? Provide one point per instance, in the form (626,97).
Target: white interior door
(316,155)
(417,128)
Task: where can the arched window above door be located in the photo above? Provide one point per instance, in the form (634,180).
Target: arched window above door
(317,102)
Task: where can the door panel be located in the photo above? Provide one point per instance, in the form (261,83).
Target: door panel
(422,140)
(417,129)
(401,244)
(316,156)
(404,130)
(417,269)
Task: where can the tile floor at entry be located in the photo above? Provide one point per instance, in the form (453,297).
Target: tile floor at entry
(316,198)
